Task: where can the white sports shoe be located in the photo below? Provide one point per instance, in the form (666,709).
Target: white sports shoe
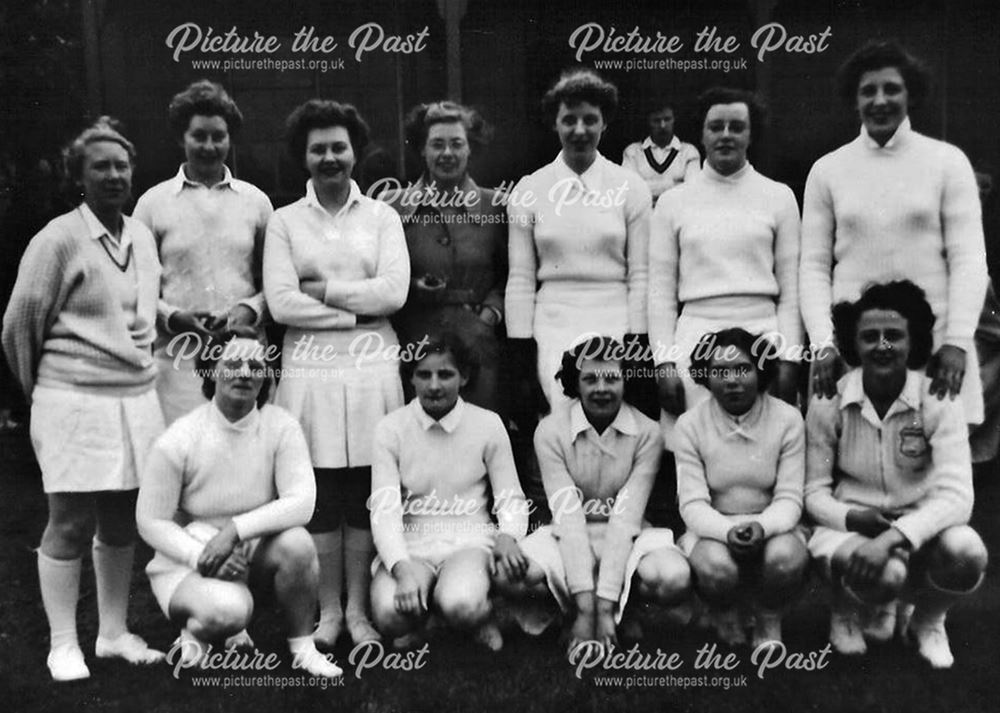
(489,636)
(130,647)
(239,640)
(932,642)
(317,664)
(66,663)
(845,633)
(766,627)
(880,622)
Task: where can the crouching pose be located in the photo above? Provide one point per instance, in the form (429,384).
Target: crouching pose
(236,472)
(740,472)
(889,481)
(437,463)
(599,457)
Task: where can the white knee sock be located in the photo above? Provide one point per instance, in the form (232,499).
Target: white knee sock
(113,572)
(359,551)
(59,581)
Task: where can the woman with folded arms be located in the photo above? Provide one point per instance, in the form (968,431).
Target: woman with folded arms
(335,268)
(889,481)
(209,229)
(740,470)
(78,334)
(439,463)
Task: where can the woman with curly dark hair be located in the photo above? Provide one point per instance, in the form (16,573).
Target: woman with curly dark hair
(889,481)
(335,268)
(209,229)
(578,240)
(894,204)
(456,234)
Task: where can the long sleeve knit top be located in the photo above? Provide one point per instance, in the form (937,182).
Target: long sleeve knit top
(210,241)
(439,476)
(718,240)
(913,464)
(592,227)
(66,324)
(360,254)
(736,470)
(907,210)
(256,472)
(597,482)
(686,163)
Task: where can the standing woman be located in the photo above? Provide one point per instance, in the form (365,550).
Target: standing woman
(725,245)
(456,234)
(578,239)
(894,204)
(335,268)
(78,335)
(209,229)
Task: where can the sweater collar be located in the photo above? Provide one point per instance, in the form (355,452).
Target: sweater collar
(590,180)
(244,425)
(713,175)
(896,141)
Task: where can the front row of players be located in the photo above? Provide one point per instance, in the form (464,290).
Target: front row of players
(882,471)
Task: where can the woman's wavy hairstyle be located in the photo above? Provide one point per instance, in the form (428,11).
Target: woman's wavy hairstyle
(581,85)
(879,54)
(323,114)
(203,98)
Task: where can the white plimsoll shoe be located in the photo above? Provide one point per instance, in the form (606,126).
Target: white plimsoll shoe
(239,640)
(66,663)
(317,664)
(932,642)
(729,626)
(846,635)
(129,647)
(489,636)
(880,622)
(766,627)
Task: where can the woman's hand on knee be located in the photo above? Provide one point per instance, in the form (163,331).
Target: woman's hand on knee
(508,559)
(411,593)
(235,568)
(867,563)
(218,550)
(745,541)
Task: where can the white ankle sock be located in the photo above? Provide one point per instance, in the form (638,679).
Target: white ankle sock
(113,572)
(59,581)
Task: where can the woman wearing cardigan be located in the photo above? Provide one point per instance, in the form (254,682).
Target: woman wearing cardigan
(78,335)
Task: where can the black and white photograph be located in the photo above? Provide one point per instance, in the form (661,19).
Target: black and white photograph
(461,355)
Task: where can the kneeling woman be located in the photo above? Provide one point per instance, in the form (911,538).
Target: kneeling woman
(889,480)
(237,473)
(437,463)
(740,472)
(599,457)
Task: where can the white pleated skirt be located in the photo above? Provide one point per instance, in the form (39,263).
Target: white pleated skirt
(87,442)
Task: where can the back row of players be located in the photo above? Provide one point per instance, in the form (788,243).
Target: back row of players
(687,288)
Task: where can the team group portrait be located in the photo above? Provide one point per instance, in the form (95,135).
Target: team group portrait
(421,355)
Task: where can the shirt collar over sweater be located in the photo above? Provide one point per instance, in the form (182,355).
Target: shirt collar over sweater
(590,180)
(97,231)
(448,423)
(180,181)
(853,393)
(624,422)
(353,198)
(745,426)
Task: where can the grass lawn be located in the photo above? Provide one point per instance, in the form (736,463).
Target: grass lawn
(457,675)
